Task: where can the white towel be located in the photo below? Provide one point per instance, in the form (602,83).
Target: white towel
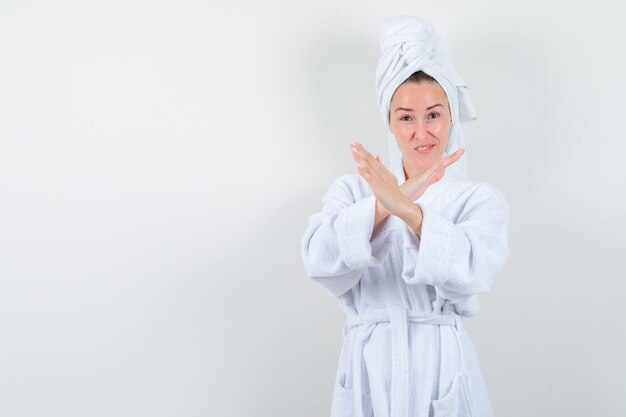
(409,44)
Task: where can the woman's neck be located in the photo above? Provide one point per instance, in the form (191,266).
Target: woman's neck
(413,173)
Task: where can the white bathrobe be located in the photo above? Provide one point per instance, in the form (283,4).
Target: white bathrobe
(405,350)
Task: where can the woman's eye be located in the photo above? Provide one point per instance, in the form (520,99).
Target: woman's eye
(403,118)
(435,114)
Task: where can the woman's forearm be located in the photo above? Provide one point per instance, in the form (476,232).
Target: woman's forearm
(381,214)
(413,216)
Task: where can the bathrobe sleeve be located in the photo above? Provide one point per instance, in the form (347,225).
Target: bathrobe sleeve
(339,243)
(459,258)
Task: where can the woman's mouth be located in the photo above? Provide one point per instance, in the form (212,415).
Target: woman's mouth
(425,149)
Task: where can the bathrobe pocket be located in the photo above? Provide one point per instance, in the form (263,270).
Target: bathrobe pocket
(455,402)
(343,400)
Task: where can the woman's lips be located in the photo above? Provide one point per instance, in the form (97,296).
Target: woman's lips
(425,151)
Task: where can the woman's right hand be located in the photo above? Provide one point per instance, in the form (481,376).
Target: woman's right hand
(415,186)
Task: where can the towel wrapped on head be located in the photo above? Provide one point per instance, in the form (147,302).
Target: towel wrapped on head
(409,44)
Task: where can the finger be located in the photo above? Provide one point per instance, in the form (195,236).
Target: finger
(364,173)
(359,150)
(372,161)
(355,153)
(380,162)
(354,145)
(364,164)
(450,159)
(364,153)
(356,156)
(364,167)
(455,155)
(379,165)
(367,159)
(374,165)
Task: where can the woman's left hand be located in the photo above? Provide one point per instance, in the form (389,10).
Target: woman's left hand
(383,183)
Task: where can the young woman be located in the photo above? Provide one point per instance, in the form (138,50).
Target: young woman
(406,249)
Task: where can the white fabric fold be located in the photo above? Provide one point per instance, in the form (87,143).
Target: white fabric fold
(344,227)
(399,319)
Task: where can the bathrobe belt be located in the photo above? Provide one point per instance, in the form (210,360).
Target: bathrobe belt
(399,319)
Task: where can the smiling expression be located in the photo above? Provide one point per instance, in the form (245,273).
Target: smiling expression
(419,118)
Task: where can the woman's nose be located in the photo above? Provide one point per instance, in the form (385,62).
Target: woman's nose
(421,130)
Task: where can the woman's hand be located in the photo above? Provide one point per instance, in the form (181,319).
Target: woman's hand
(383,183)
(415,186)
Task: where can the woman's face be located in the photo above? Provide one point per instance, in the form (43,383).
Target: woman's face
(419,117)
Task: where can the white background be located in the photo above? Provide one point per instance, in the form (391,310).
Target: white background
(159,161)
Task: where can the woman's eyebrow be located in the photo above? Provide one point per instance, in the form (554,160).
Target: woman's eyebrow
(405,109)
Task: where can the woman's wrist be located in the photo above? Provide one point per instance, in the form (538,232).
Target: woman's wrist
(381,213)
(413,216)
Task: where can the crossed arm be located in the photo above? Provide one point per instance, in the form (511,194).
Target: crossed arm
(395,199)
(459,258)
